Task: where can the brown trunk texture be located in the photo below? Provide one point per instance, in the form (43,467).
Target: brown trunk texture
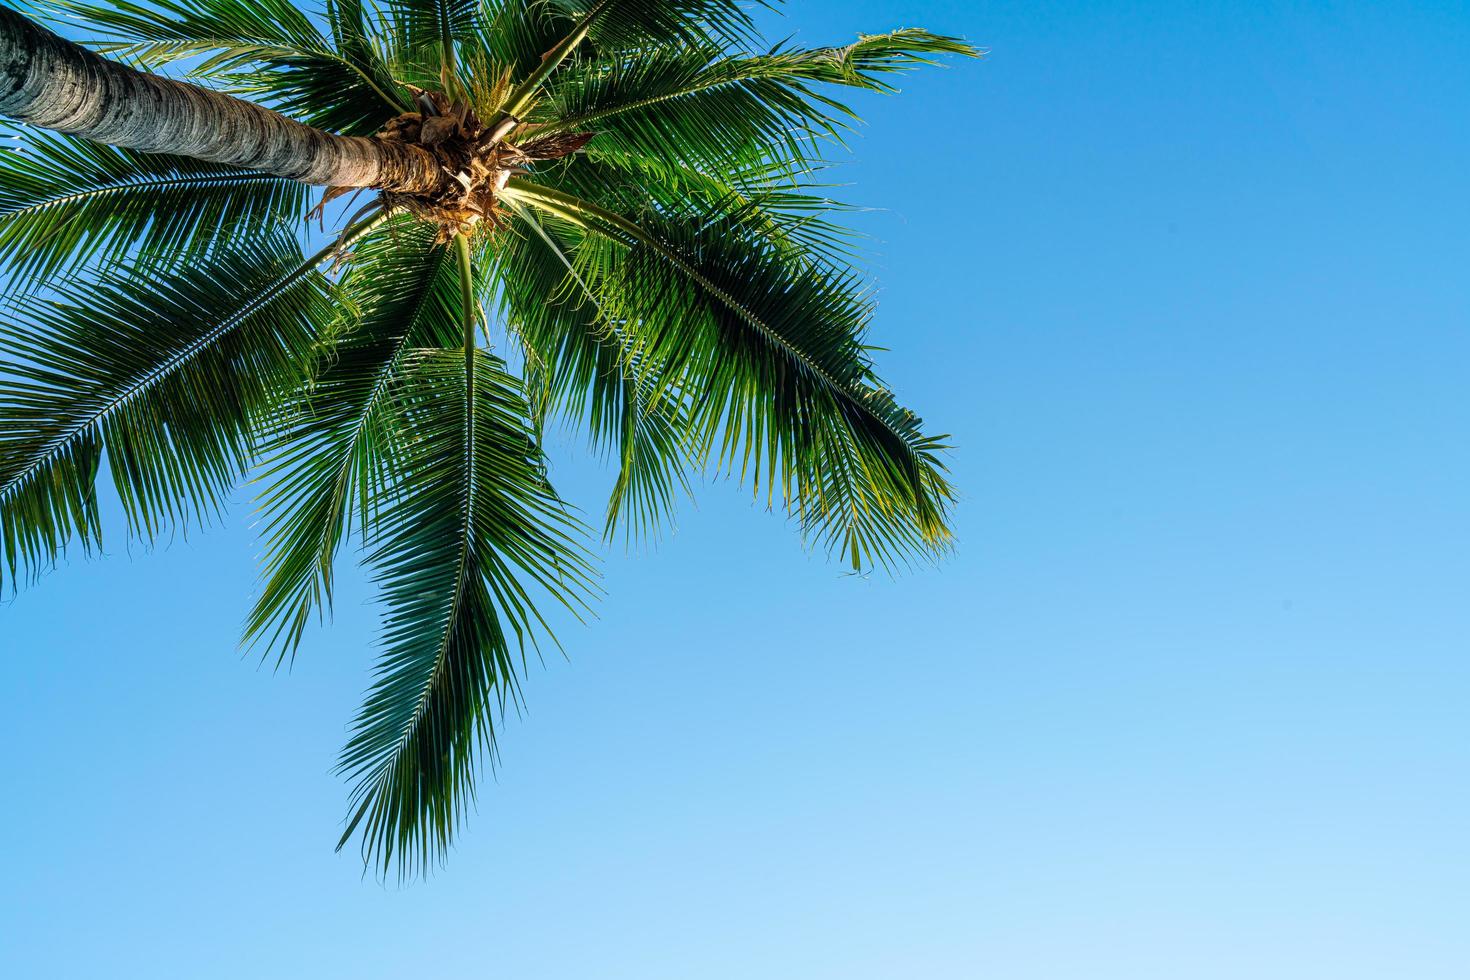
(49,82)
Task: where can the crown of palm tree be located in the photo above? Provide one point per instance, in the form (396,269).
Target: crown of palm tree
(621,185)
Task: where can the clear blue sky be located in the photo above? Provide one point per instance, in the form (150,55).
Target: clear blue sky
(1188,282)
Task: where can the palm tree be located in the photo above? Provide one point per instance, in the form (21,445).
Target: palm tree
(617,184)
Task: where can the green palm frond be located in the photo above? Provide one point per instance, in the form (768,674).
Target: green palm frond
(769,350)
(432,24)
(515,34)
(66,201)
(864,63)
(165,31)
(582,366)
(473,537)
(358,28)
(427,37)
(571,29)
(625,24)
(695,106)
(328,463)
(170,374)
(793,213)
(686,107)
(337,95)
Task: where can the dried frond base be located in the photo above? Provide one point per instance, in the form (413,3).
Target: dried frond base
(476,164)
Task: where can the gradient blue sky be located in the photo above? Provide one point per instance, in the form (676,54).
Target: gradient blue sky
(1187,281)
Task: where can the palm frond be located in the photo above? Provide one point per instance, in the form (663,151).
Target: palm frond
(328,462)
(345,97)
(693,106)
(604,26)
(580,365)
(168,373)
(625,24)
(165,31)
(793,212)
(463,549)
(357,27)
(432,24)
(768,348)
(65,201)
(864,62)
(686,107)
(516,34)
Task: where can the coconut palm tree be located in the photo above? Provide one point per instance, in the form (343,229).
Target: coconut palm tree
(626,189)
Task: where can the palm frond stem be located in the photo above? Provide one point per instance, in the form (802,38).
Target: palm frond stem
(521,98)
(577,210)
(467,295)
(47,453)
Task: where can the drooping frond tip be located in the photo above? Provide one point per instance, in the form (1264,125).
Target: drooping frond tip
(469,544)
(862,63)
(765,348)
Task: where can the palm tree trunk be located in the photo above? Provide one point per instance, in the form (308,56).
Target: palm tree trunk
(49,82)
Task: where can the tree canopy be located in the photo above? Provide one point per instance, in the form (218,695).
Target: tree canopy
(634,192)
